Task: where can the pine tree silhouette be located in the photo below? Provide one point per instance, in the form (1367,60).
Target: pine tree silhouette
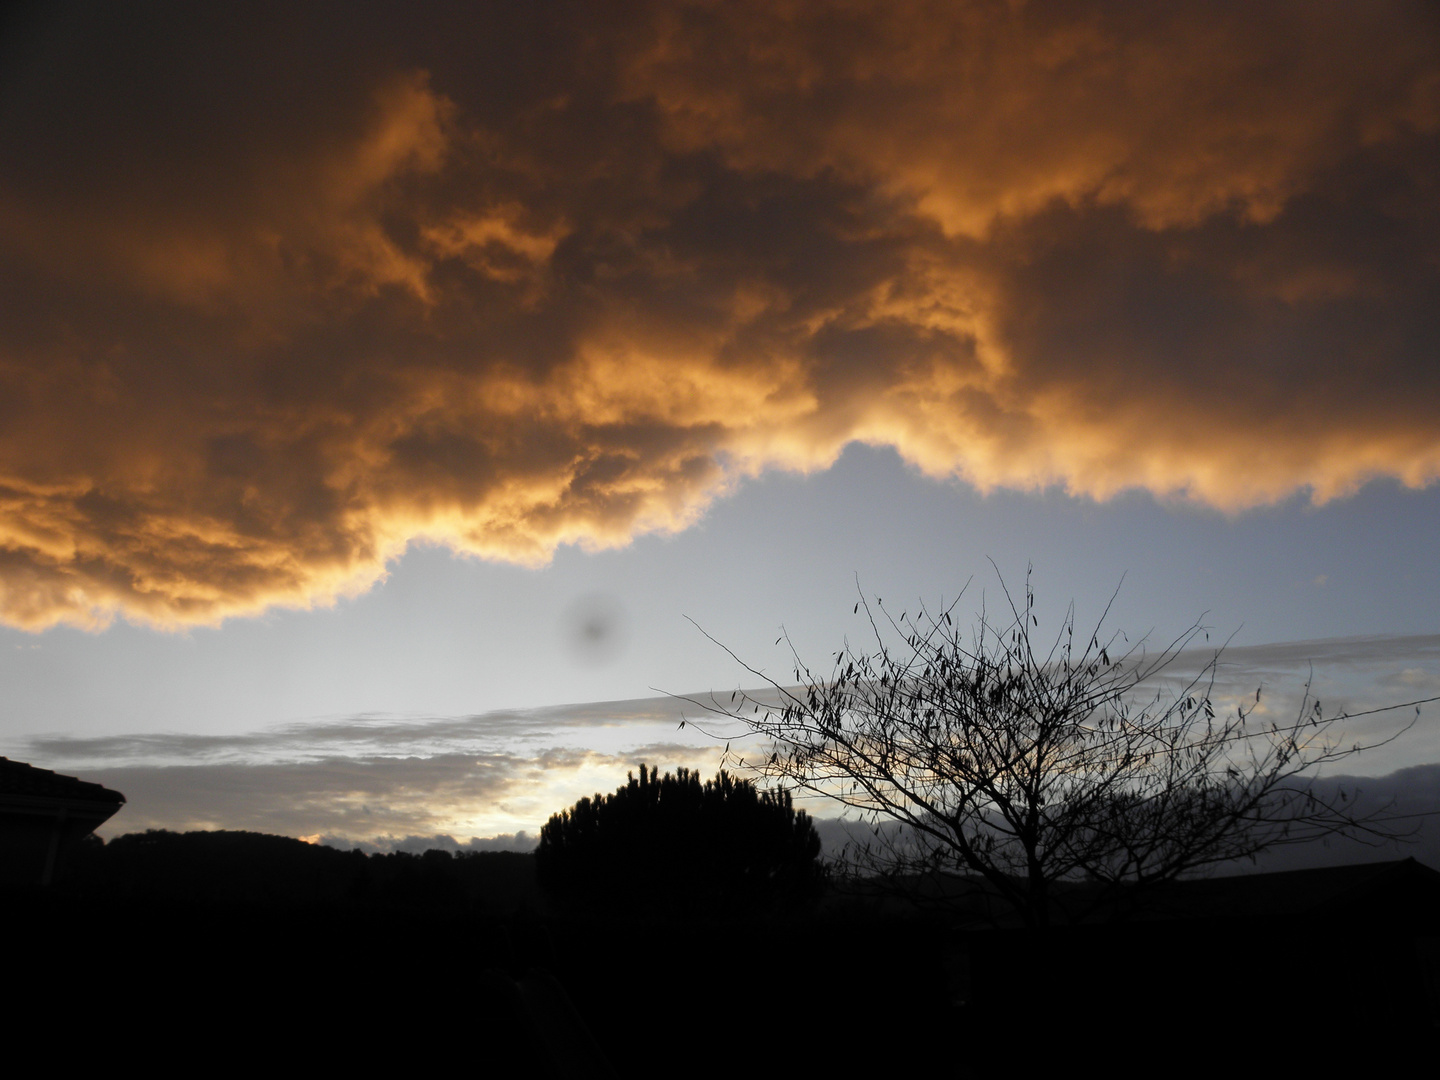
(675,843)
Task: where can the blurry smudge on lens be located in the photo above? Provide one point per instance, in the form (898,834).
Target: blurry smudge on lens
(594,629)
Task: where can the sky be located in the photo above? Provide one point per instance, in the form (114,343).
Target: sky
(399,405)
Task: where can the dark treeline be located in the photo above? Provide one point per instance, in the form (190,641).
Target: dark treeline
(257,949)
(365,959)
(230,867)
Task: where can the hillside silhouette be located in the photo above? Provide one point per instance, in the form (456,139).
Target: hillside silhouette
(256,869)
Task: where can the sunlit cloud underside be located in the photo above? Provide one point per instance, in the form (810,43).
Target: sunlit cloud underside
(531,276)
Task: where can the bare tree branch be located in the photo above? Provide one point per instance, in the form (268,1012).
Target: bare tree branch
(1031,768)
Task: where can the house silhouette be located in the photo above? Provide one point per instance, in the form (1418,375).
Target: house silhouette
(41,815)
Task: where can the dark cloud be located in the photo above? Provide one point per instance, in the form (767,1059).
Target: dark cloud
(360,799)
(367,736)
(495,800)
(382,782)
(290,289)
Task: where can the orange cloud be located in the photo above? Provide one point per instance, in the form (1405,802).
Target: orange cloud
(511,280)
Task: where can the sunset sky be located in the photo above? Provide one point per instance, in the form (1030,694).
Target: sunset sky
(377,382)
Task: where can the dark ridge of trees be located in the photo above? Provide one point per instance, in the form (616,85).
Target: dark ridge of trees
(223,866)
(675,844)
(256,869)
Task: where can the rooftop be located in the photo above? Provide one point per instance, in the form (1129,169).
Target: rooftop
(18,778)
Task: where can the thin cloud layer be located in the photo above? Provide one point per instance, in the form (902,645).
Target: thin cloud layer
(643,724)
(286,292)
(359,800)
(383,782)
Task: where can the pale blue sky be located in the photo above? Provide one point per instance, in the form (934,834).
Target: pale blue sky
(448,635)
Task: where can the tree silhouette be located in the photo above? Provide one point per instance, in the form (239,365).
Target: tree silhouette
(1031,769)
(673,843)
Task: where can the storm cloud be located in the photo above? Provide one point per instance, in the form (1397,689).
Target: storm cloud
(287,290)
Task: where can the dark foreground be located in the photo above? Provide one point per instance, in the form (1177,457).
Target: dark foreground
(277,957)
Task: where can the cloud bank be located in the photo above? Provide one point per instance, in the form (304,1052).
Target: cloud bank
(383,782)
(287,291)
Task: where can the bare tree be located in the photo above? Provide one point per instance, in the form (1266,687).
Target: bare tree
(1034,768)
